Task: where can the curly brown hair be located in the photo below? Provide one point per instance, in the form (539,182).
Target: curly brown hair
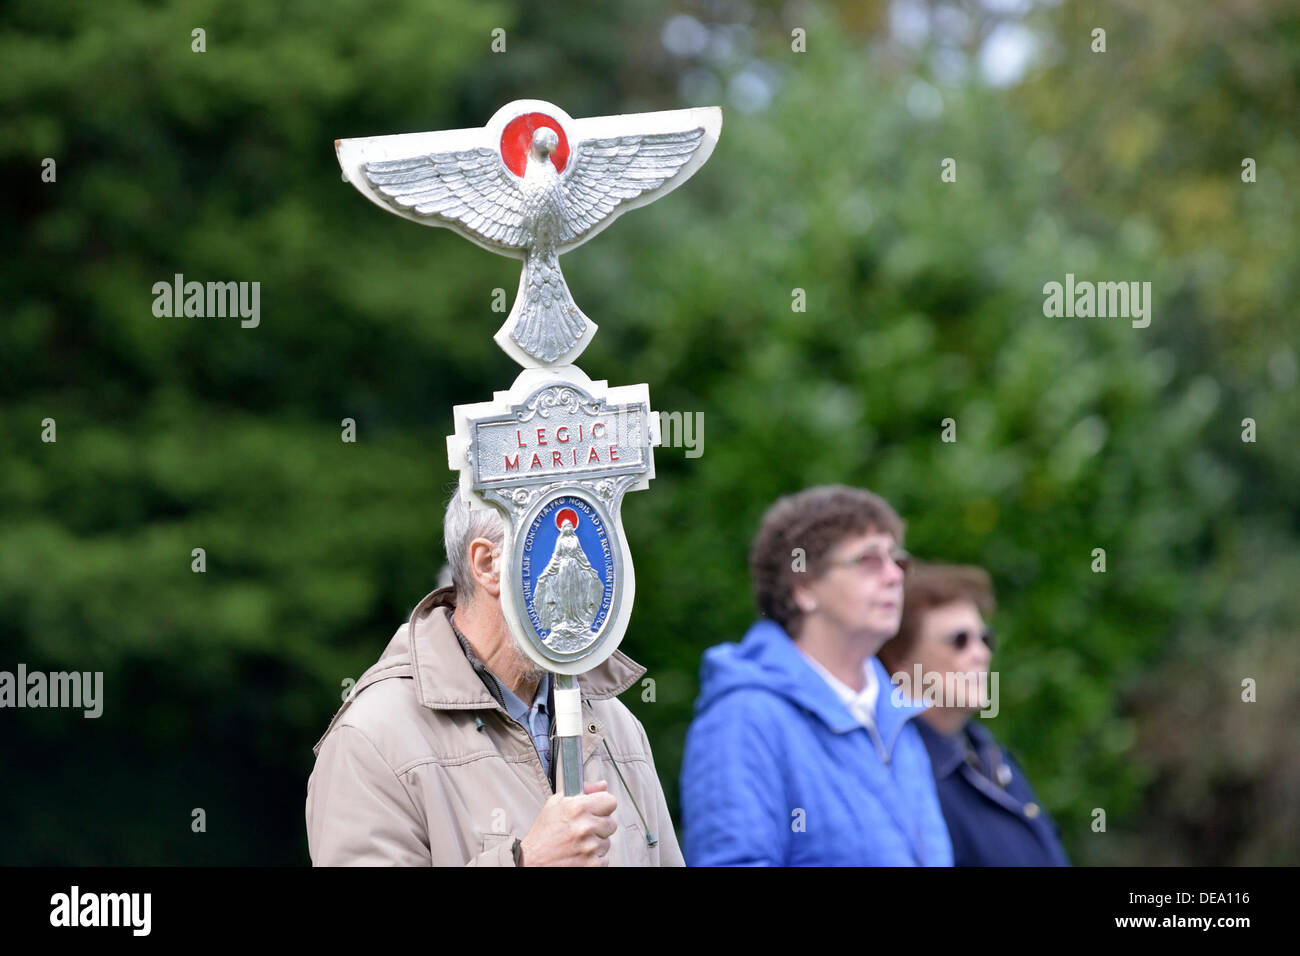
(810,524)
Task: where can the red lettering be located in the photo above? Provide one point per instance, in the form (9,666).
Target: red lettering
(557,458)
(613,453)
(593,457)
(519,437)
(537,462)
(561,438)
(512,465)
(579,433)
(541,436)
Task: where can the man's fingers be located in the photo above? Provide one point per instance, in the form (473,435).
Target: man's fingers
(594,786)
(601,804)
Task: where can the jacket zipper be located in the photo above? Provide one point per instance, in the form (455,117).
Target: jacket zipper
(918,843)
(879,744)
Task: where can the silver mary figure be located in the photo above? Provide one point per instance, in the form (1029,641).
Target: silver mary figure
(568,592)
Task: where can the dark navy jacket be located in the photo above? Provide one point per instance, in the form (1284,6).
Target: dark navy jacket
(990,825)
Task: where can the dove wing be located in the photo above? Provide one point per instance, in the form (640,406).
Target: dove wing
(613,171)
(469,187)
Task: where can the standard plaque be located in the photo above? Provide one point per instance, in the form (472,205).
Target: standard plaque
(556,452)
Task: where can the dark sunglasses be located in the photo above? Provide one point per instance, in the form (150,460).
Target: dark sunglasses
(963,637)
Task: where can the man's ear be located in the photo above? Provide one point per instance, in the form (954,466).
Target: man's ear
(485,564)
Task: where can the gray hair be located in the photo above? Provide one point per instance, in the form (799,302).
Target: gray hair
(461,526)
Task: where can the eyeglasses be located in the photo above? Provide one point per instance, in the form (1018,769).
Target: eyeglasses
(874,561)
(964,637)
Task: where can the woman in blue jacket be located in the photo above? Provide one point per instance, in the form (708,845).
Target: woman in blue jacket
(798,753)
(942,651)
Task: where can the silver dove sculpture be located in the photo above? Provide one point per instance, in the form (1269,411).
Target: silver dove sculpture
(533,184)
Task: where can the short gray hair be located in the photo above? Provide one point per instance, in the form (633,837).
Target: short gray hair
(462,525)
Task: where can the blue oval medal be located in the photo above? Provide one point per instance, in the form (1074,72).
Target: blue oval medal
(567,574)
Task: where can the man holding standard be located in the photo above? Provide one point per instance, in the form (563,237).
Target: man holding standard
(798,754)
(442,754)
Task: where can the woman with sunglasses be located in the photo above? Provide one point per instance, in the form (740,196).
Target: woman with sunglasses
(944,645)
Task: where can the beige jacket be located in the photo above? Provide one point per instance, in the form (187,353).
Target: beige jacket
(422,767)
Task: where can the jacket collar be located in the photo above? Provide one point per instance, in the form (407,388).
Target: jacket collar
(776,649)
(948,757)
(947,751)
(426,649)
(446,680)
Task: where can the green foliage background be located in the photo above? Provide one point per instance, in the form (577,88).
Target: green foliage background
(1120,691)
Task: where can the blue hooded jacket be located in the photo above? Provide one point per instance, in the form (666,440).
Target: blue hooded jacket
(778,772)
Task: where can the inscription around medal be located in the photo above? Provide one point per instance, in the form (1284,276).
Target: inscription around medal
(567,574)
